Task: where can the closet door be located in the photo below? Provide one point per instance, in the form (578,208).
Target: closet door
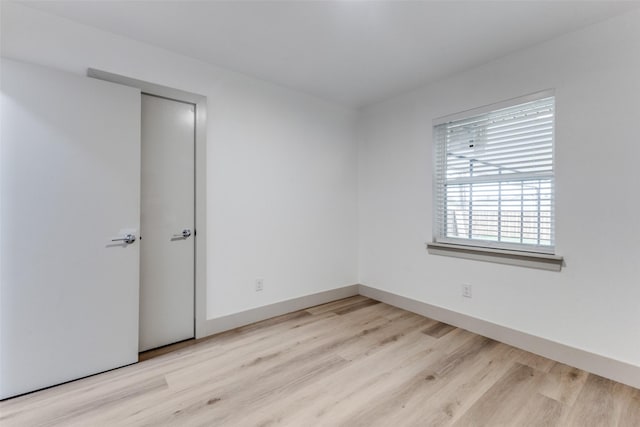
(70,191)
(168,204)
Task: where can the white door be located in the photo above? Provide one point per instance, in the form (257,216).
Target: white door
(167,245)
(70,172)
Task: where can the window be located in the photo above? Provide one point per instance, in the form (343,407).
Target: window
(494,176)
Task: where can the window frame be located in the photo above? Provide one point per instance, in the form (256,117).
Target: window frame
(442,245)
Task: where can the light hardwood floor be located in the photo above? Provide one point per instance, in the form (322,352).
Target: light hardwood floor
(353,362)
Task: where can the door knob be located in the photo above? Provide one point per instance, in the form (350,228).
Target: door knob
(185,233)
(127,238)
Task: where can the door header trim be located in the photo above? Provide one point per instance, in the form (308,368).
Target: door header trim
(150,88)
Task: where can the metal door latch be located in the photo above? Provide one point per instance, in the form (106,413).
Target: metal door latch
(128,239)
(186,233)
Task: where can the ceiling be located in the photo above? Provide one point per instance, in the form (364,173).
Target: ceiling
(350,52)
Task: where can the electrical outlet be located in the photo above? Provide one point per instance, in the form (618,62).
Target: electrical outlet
(259,285)
(466,291)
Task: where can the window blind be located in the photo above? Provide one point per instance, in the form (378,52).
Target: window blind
(494,178)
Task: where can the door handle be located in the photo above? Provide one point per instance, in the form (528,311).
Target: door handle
(185,234)
(128,239)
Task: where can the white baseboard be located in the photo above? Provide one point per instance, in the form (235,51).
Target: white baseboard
(597,364)
(232,321)
(604,366)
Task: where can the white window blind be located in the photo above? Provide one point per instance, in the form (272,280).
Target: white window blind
(494,178)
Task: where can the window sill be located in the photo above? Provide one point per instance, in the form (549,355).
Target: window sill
(501,256)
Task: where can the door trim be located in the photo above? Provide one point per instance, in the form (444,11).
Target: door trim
(200,164)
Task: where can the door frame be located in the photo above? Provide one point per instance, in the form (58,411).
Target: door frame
(200,165)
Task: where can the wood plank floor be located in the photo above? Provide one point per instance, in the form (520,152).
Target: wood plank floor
(353,362)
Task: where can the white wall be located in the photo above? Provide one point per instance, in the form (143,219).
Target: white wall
(594,303)
(281,181)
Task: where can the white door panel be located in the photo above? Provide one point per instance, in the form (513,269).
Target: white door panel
(167,260)
(70,173)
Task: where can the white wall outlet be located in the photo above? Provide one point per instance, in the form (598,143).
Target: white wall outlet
(466,291)
(259,285)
